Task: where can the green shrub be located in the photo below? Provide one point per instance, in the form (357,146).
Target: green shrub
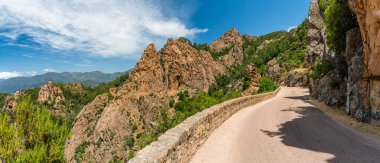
(180,106)
(183,95)
(246,84)
(221,53)
(267,85)
(133,127)
(171,103)
(338,19)
(37,137)
(2,98)
(145,139)
(131,154)
(79,151)
(321,69)
(130,141)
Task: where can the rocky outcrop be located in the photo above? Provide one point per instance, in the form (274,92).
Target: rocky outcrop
(274,69)
(357,104)
(233,42)
(356,73)
(364,94)
(10,102)
(75,88)
(317,36)
(252,73)
(296,78)
(157,78)
(330,88)
(52,95)
(83,129)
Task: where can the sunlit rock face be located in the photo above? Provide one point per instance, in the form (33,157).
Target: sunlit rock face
(317,35)
(368,16)
(158,77)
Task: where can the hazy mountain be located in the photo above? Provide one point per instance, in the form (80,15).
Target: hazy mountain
(87,78)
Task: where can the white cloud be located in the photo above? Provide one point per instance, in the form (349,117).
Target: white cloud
(103,28)
(30,73)
(7,75)
(46,70)
(290,28)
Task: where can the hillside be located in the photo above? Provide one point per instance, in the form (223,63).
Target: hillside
(87,78)
(181,79)
(113,121)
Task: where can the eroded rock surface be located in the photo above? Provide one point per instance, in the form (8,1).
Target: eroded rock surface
(366,65)
(317,36)
(368,16)
(233,42)
(135,106)
(253,75)
(52,95)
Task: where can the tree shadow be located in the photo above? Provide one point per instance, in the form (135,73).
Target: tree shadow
(312,130)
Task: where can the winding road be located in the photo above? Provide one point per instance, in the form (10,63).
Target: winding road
(286,129)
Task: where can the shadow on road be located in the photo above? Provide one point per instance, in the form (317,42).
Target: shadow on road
(312,130)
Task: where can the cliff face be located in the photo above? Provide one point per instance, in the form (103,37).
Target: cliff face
(368,16)
(317,35)
(354,82)
(233,42)
(104,125)
(331,88)
(367,74)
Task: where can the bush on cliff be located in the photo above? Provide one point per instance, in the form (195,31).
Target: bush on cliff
(338,19)
(2,98)
(267,85)
(321,68)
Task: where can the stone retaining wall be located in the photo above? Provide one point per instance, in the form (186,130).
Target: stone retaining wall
(180,143)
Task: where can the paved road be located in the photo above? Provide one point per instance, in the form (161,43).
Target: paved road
(286,129)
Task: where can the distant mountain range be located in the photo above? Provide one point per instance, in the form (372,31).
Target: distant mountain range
(86,78)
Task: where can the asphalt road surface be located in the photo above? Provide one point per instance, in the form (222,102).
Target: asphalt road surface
(286,129)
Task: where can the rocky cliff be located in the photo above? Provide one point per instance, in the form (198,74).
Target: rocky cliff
(330,88)
(52,95)
(353,82)
(365,67)
(122,121)
(105,127)
(231,42)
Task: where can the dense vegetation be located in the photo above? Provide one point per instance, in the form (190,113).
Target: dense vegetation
(39,136)
(184,108)
(267,85)
(75,101)
(2,98)
(338,19)
(288,47)
(321,68)
(31,134)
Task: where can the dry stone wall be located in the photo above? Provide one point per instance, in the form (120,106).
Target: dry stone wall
(181,142)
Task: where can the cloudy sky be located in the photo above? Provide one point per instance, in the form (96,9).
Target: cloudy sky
(39,36)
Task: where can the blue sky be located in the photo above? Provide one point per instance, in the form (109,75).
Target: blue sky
(39,36)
